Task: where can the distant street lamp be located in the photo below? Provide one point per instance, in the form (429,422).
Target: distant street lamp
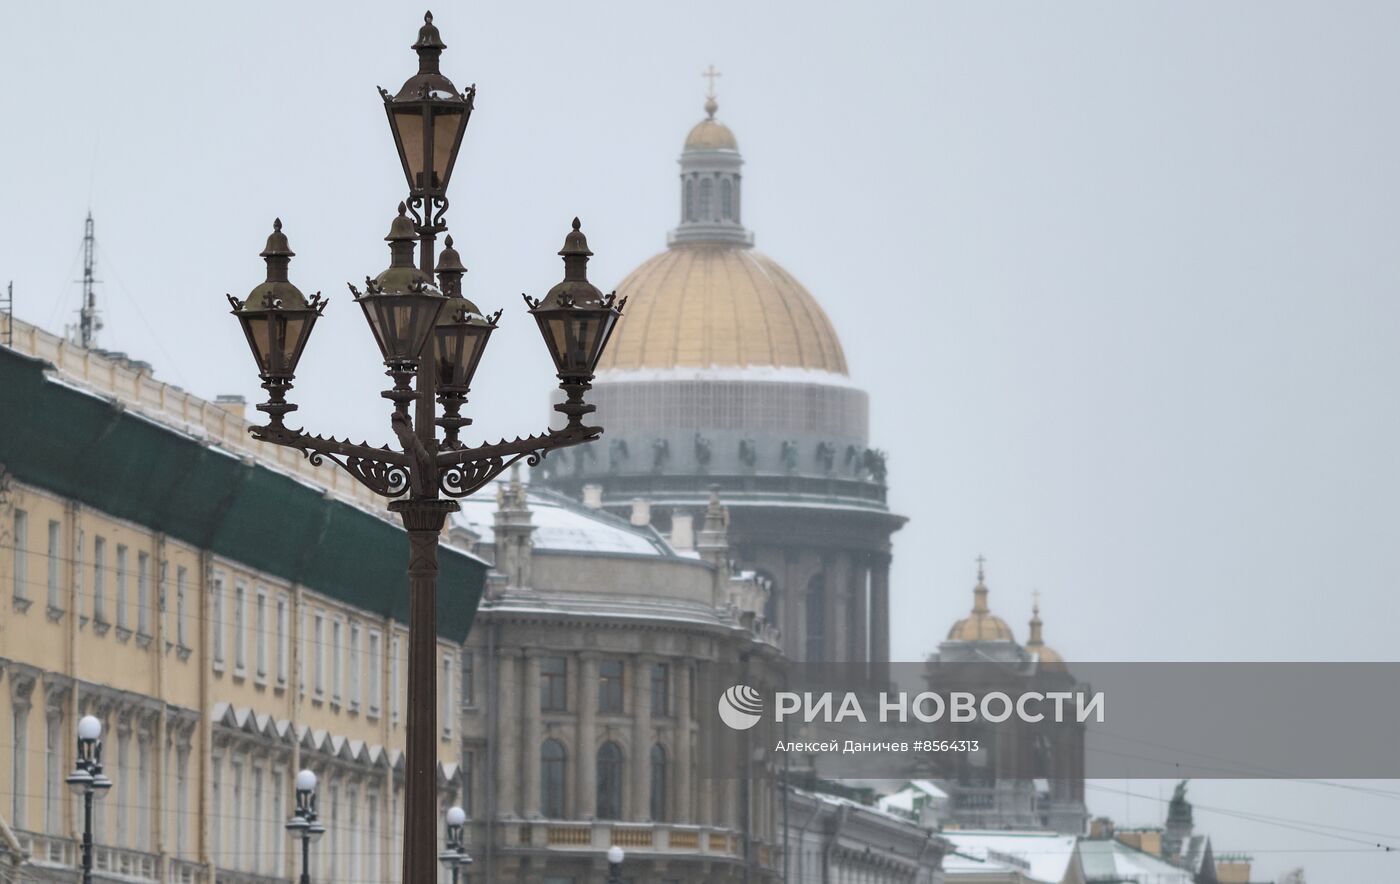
(431,340)
(303,824)
(88,781)
(615,856)
(455,857)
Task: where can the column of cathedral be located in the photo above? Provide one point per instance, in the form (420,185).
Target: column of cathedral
(509,751)
(684,759)
(880,608)
(641,746)
(586,743)
(530,745)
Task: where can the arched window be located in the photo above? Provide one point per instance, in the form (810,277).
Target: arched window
(658,783)
(816,618)
(609,782)
(689,200)
(707,188)
(726,199)
(553,768)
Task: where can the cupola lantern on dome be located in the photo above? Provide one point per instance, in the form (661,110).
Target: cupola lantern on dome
(710,181)
(982,625)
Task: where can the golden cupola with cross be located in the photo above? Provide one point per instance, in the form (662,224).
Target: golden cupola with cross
(981,625)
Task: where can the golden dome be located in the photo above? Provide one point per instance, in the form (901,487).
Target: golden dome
(708,305)
(1048,656)
(982,625)
(711,134)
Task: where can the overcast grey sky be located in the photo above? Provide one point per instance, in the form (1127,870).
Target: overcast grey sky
(1120,277)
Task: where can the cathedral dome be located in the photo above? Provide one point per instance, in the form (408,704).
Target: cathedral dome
(719,306)
(982,625)
(711,135)
(710,301)
(1048,657)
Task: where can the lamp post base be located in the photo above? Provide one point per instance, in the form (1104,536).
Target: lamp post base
(423,519)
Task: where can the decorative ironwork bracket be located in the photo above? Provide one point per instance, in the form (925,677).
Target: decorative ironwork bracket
(458,472)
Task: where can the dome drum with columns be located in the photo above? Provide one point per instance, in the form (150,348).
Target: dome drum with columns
(725,371)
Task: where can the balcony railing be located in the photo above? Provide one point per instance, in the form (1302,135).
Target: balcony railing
(663,839)
(108,863)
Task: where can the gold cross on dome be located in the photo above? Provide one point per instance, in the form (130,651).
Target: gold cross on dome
(711,74)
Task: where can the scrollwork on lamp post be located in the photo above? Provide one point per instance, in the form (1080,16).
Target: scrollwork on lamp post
(431,339)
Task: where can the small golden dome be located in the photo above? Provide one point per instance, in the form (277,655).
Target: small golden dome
(711,135)
(1049,658)
(982,625)
(719,306)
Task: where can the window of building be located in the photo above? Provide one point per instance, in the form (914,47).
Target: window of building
(610,686)
(216,808)
(78,607)
(553,767)
(660,690)
(53,776)
(554,684)
(143,593)
(468,679)
(446,713)
(260,637)
(55,557)
(20,568)
(816,618)
(182,581)
(121,589)
(337,662)
(240,632)
(216,589)
(395,700)
(19,764)
(609,804)
(706,199)
(689,200)
(182,802)
(658,783)
(238,812)
(283,640)
(726,198)
(318,651)
(376,669)
(354,667)
(99,579)
(468,781)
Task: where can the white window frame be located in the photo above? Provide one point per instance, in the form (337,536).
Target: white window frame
(260,640)
(240,627)
(353,667)
(337,659)
(55,573)
(446,710)
(99,578)
(318,648)
(143,593)
(283,645)
(182,581)
(19,571)
(121,589)
(216,619)
(376,672)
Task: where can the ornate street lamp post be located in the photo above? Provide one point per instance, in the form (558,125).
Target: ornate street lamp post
(615,856)
(431,339)
(88,781)
(303,825)
(455,857)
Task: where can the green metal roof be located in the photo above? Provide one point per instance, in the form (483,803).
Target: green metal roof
(93,450)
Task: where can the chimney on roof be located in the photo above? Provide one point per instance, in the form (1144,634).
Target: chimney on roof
(682,531)
(593,496)
(641,512)
(234,404)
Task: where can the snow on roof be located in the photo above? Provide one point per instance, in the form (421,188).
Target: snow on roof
(1111,859)
(1042,856)
(905,799)
(565,525)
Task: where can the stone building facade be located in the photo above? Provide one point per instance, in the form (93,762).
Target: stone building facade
(196,593)
(591,714)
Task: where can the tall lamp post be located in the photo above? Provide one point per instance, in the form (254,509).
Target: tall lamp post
(455,856)
(303,824)
(431,339)
(88,781)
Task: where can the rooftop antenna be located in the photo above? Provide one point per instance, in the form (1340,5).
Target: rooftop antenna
(89,323)
(7,313)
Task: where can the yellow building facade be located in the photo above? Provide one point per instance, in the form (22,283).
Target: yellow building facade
(226,634)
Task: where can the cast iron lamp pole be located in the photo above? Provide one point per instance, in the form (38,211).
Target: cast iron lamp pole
(455,856)
(431,339)
(303,825)
(88,781)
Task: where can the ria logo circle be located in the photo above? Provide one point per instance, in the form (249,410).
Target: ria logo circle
(741,707)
